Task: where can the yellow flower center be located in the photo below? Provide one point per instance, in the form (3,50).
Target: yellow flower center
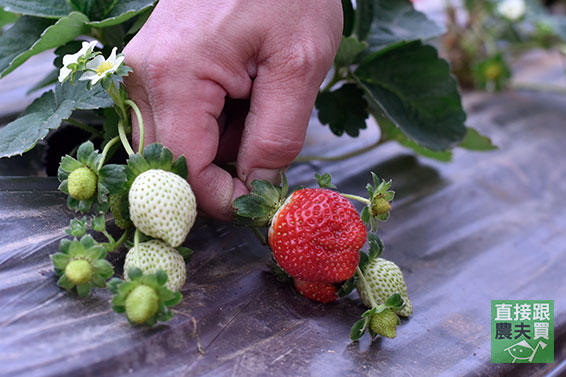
(105,66)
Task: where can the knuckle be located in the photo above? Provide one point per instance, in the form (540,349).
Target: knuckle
(278,151)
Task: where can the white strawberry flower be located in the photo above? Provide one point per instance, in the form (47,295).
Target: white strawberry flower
(70,59)
(512,9)
(99,68)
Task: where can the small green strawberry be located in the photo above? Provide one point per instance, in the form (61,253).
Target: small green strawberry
(82,183)
(144,298)
(378,205)
(156,255)
(385,279)
(88,182)
(162,205)
(384,323)
(81,264)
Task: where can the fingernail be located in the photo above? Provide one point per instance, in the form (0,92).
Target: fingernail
(271,175)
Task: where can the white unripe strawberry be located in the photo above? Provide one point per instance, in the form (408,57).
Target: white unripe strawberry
(384,279)
(162,205)
(156,255)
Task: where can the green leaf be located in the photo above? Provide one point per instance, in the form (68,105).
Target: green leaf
(415,89)
(48,80)
(391,132)
(46,113)
(364,17)
(31,35)
(396,21)
(344,110)
(349,17)
(84,6)
(475,141)
(39,8)
(349,49)
(140,21)
(122,10)
(7,18)
(113,177)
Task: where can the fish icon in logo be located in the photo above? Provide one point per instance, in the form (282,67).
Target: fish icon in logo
(524,351)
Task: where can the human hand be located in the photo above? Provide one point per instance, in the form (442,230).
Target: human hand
(231,80)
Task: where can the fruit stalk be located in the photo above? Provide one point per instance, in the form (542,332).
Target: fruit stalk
(356,197)
(136,109)
(107,147)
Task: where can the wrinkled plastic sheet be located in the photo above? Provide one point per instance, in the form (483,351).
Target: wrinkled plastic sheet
(487,226)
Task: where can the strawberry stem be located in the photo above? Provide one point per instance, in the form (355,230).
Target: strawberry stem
(124,139)
(366,287)
(136,109)
(344,156)
(259,235)
(356,197)
(137,246)
(106,149)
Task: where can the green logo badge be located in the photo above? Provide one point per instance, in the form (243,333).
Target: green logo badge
(522,331)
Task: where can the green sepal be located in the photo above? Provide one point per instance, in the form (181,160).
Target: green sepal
(185,252)
(155,156)
(376,246)
(324,181)
(395,301)
(279,273)
(364,260)
(83,290)
(258,207)
(65,282)
(167,298)
(60,260)
(64,245)
(348,286)
(378,207)
(86,249)
(110,179)
(359,329)
(77,227)
(98,223)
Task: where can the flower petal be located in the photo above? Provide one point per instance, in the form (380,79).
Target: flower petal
(94,63)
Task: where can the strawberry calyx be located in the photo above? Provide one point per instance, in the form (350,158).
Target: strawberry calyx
(145,298)
(258,208)
(86,182)
(81,264)
(379,206)
(379,320)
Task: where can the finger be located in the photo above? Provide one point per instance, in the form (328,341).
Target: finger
(282,99)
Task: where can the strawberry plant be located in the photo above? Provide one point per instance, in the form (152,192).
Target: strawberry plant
(482,45)
(383,69)
(149,196)
(316,236)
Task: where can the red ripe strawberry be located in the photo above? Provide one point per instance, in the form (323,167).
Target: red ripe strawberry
(321,292)
(316,235)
